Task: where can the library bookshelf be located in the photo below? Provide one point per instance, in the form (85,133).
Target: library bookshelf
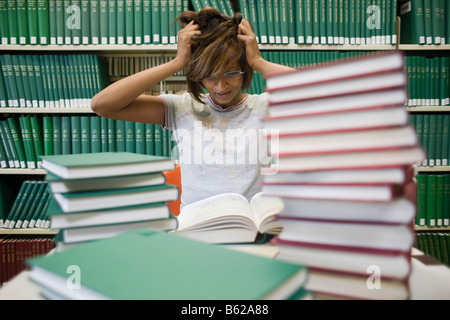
(109,51)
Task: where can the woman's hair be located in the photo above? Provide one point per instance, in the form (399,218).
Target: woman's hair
(214,49)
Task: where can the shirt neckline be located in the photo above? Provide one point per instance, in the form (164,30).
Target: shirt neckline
(220,109)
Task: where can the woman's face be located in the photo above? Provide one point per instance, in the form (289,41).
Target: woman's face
(225,88)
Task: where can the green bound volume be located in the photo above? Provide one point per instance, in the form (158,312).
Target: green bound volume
(120,8)
(95,21)
(129,22)
(85,22)
(138,22)
(104,21)
(242,276)
(147,21)
(156,22)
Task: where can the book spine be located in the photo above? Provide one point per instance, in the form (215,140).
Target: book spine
(104,21)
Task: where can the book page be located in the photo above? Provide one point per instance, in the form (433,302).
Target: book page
(265,207)
(215,207)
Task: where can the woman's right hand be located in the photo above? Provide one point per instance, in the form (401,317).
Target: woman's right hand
(184,42)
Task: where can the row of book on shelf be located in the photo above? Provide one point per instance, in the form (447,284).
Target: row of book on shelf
(432,131)
(29,209)
(424,22)
(16,249)
(25,138)
(51,80)
(435,244)
(335,22)
(428,80)
(433,200)
(89,22)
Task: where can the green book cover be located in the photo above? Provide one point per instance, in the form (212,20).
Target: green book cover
(156,22)
(172,22)
(85,22)
(130,136)
(33,26)
(75,127)
(19,141)
(276,20)
(25,80)
(32,81)
(270,23)
(112,22)
(7,198)
(445,139)
(446,200)
(39,80)
(4,23)
(18,80)
(57,127)
(129,21)
(35,204)
(252,16)
(76,21)
(37,137)
(52,24)
(104,22)
(120,135)
(315,20)
(120,8)
(6,146)
(138,22)
(428,24)
(12,21)
(60,22)
(140,137)
(66,139)
(111,135)
(158,140)
(41,206)
(439,199)
(164,12)
(103,134)
(25,127)
(47,127)
(14,158)
(18,204)
(147,21)
(431,200)
(262,21)
(27,204)
(242,276)
(95,133)
(95,21)
(436,21)
(67,22)
(149,139)
(229,8)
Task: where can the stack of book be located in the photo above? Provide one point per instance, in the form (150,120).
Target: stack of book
(343,156)
(155,259)
(99,195)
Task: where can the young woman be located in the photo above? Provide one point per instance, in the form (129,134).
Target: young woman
(217,126)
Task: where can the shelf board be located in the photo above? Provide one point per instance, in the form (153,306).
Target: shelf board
(28,231)
(94,48)
(46,110)
(428,228)
(160,48)
(428,108)
(433,169)
(426,47)
(24,171)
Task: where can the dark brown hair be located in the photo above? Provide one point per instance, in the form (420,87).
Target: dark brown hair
(214,49)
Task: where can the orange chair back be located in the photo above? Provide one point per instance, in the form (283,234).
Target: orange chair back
(174,177)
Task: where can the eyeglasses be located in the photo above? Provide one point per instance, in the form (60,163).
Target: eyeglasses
(232,75)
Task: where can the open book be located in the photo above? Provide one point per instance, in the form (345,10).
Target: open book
(230,218)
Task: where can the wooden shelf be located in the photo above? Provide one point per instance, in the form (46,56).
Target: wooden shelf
(433,169)
(28,231)
(24,171)
(428,108)
(46,110)
(423,47)
(428,228)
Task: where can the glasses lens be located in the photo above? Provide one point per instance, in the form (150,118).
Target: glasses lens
(233,75)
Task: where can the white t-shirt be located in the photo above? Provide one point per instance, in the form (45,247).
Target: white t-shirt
(219,150)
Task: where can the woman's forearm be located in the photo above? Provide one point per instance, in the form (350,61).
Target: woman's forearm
(122,93)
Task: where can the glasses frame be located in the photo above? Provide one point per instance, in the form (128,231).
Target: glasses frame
(226,75)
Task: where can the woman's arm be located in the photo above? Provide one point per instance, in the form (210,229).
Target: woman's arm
(123,99)
(254,58)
